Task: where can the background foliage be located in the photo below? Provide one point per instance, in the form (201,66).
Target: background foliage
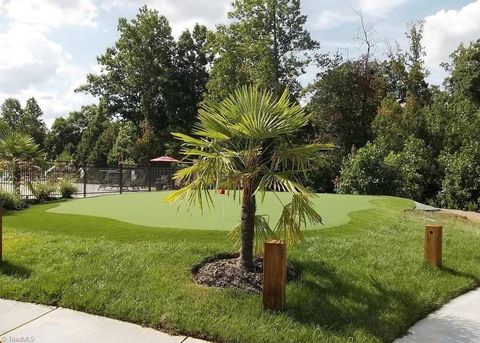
(394,133)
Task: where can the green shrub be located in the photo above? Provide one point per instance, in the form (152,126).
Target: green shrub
(461,185)
(42,191)
(412,169)
(11,200)
(373,170)
(366,172)
(66,188)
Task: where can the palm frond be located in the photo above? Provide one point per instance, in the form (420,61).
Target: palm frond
(196,194)
(20,147)
(263,232)
(285,181)
(259,117)
(190,140)
(295,216)
(212,123)
(288,157)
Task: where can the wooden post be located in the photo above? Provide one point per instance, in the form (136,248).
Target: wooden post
(433,244)
(274,274)
(1,234)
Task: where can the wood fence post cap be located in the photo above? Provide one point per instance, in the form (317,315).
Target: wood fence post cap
(433,226)
(275,241)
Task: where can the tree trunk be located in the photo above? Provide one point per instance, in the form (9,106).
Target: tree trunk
(275,49)
(247,225)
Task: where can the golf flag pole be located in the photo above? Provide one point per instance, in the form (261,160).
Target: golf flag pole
(222,192)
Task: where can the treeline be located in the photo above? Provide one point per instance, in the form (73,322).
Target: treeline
(394,133)
(422,142)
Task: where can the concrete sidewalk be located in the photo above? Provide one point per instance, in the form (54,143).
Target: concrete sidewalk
(26,322)
(456,322)
(423,207)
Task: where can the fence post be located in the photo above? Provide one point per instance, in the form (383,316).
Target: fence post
(433,244)
(274,274)
(120,178)
(84,182)
(1,234)
(149,178)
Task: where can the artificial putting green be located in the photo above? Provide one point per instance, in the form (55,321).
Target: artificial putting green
(149,209)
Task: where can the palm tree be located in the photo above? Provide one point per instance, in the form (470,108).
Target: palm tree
(247,142)
(16,150)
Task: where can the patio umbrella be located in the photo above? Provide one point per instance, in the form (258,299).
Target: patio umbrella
(169,161)
(164,159)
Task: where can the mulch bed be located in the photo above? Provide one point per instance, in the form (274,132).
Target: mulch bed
(223,271)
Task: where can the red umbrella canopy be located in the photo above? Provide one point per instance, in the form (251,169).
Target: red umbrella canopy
(164,159)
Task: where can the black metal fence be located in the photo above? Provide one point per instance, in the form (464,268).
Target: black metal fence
(89,180)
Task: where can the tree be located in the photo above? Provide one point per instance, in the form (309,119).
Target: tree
(412,167)
(27,120)
(150,79)
(465,71)
(31,122)
(134,81)
(415,83)
(400,159)
(395,122)
(246,141)
(376,170)
(365,172)
(123,148)
(97,124)
(266,44)
(16,150)
(405,71)
(453,121)
(148,144)
(461,185)
(190,75)
(11,112)
(103,145)
(66,132)
(344,102)
(388,125)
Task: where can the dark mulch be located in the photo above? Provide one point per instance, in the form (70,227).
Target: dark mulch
(223,271)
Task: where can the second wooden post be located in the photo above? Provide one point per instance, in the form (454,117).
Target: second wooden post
(274,274)
(433,244)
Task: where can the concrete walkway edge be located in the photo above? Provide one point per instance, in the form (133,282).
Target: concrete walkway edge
(455,322)
(27,322)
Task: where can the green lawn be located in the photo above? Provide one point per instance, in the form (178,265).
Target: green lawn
(363,281)
(149,209)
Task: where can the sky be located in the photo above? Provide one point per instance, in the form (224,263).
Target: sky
(47,47)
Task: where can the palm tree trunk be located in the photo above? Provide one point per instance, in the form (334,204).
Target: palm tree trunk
(17,178)
(247,225)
